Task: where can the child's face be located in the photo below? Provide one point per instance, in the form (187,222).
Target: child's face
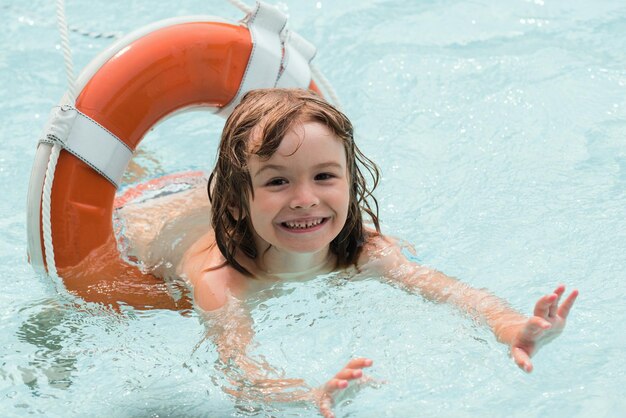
(301,194)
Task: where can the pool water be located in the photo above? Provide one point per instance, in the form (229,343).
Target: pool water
(500,128)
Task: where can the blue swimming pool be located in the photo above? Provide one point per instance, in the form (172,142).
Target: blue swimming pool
(500,128)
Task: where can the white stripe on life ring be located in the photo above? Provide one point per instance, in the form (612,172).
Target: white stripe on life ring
(89,141)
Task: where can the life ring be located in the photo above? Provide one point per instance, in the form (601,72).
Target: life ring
(152,73)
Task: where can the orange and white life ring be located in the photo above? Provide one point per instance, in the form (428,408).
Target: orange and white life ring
(148,75)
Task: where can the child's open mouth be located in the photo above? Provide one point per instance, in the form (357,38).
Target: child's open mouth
(304,225)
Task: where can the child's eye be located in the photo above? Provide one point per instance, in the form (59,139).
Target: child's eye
(276,182)
(324,176)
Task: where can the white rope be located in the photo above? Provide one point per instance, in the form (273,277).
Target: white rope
(67,52)
(319,77)
(45,211)
(241,6)
(56,148)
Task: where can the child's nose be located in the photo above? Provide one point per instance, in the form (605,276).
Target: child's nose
(304,197)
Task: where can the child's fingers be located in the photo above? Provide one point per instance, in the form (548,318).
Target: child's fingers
(336,384)
(327,412)
(542,307)
(359,363)
(552,309)
(560,289)
(565,307)
(535,327)
(349,374)
(325,404)
(522,359)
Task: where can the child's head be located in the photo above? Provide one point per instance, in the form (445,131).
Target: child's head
(257,127)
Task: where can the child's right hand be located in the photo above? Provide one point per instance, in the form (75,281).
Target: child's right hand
(325,395)
(546,324)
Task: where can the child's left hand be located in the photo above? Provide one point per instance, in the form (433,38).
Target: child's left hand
(325,395)
(546,324)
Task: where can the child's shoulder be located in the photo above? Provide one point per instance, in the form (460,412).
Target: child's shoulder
(213,288)
(380,253)
(211,278)
(375,242)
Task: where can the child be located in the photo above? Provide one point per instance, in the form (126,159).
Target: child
(287,199)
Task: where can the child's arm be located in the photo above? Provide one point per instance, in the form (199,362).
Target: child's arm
(523,335)
(230,327)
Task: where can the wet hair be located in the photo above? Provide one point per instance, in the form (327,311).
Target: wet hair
(257,126)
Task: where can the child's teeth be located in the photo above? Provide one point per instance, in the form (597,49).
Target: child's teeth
(302,225)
